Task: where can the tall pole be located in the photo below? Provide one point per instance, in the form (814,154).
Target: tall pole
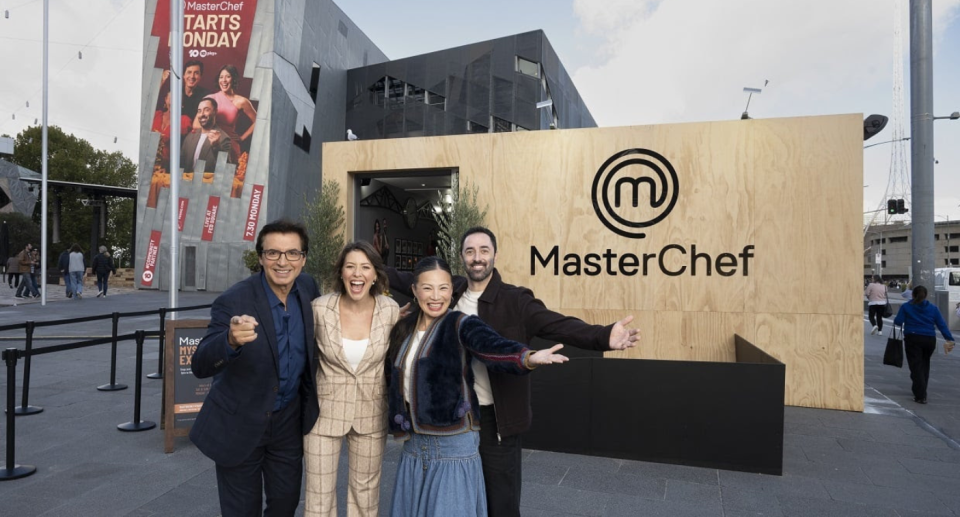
(43,167)
(921,141)
(176,101)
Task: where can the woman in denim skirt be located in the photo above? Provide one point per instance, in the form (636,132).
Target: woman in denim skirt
(432,405)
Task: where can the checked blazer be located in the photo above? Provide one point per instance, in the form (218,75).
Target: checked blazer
(347,398)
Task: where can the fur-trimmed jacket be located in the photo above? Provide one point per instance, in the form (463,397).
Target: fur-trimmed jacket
(443,401)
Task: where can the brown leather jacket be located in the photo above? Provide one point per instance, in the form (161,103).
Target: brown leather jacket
(515,313)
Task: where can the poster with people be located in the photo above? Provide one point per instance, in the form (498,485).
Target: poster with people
(217,117)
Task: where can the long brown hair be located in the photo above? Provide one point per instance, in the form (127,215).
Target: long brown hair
(919,294)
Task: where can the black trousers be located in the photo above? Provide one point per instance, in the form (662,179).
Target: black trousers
(274,468)
(918,350)
(876,315)
(502,462)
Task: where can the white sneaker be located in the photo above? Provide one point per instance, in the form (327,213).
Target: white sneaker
(874,331)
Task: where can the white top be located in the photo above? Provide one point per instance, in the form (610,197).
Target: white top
(481,379)
(196,154)
(408,364)
(76,262)
(353,350)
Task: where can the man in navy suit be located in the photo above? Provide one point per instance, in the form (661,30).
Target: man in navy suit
(260,350)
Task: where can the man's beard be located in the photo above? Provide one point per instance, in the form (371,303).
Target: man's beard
(479,276)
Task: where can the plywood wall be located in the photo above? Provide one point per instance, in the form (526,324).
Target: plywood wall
(791,188)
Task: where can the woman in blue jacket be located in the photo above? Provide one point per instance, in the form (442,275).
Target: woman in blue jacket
(432,403)
(918,317)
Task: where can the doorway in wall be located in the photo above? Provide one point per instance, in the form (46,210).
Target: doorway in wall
(396,211)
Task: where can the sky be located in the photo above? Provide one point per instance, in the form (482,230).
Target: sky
(635,62)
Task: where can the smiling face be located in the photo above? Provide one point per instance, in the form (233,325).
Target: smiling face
(191,76)
(433,292)
(281,273)
(206,115)
(357,275)
(225,81)
(478,256)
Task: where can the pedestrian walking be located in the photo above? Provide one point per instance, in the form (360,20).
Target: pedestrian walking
(102,266)
(876,294)
(77,269)
(25,262)
(63,265)
(920,319)
(13,272)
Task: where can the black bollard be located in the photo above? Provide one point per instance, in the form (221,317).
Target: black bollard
(137,424)
(25,408)
(113,386)
(12,470)
(163,325)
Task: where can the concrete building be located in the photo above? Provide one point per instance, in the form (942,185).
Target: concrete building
(300,74)
(891,243)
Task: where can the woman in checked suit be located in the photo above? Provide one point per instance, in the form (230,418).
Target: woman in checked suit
(352,330)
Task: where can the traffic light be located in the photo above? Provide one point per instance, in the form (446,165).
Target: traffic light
(896,206)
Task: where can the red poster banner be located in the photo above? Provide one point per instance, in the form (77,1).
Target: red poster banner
(150,265)
(182,213)
(210,218)
(253,213)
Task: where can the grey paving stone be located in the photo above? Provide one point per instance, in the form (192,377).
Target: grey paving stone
(830,472)
(700,475)
(795,506)
(624,507)
(888,497)
(543,474)
(691,492)
(932,468)
(902,478)
(614,483)
(570,460)
(786,484)
(555,500)
(756,501)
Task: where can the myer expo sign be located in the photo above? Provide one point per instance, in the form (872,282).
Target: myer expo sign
(633,190)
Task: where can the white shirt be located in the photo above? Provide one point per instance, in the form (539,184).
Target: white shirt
(196,154)
(481,379)
(408,364)
(353,350)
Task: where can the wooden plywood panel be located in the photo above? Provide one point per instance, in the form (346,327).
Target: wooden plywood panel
(789,188)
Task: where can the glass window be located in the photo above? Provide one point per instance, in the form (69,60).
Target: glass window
(499,125)
(954,277)
(378,93)
(473,127)
(414,93)
(435,99)
(395,89)
(528,67)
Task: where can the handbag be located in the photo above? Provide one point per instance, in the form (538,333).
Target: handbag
(893,355)
(887,309)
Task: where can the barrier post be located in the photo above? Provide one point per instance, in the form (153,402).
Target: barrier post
(163,324)
(113,386)
(11,470)
(137,424)
(25,408)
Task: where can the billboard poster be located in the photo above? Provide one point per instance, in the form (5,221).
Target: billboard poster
(150,265)
(210,218)
(217,115)
(189,391)
(253,213)
(182,213)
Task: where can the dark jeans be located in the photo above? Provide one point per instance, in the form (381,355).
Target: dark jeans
(876,315)
(501,466)
(918,350)
(102,282)
(275,467)
(13,280)
(28,284)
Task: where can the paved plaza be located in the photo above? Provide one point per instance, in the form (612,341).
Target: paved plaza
(897,458)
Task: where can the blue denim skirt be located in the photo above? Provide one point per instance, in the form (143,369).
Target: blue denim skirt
(440,475)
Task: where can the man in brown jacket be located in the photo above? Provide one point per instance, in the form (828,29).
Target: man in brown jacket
(25,260)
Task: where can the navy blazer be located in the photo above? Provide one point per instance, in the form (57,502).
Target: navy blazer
(235,413)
